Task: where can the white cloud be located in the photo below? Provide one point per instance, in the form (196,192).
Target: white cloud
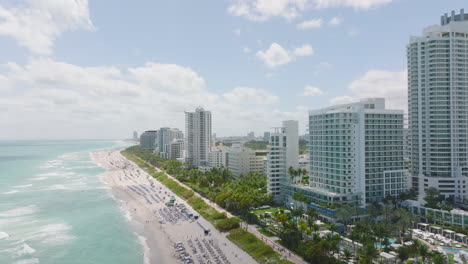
(310,24)
(246,50)
(263,10)
(345,99)
(305,50)
(237,31)
(47,73)
(335,21)
(247,95)
(168,76)
(386,84)
(312,91)
(4,85)
(355,4)
(276,55)
(62,100)
(38,25)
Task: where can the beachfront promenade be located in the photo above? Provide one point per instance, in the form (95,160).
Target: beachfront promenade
(286,253)
(161,219)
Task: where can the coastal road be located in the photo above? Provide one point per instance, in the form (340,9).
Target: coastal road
(286,253)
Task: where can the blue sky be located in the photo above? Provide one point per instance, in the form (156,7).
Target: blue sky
(101,69)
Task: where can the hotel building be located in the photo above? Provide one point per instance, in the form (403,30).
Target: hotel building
(356,154)
(438,107)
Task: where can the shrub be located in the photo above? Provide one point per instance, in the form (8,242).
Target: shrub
(218,216)
(227,224)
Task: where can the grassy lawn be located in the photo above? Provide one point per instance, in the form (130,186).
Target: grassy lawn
(255,247)
(263,211)
(265,232)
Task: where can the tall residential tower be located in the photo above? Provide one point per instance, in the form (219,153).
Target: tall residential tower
(197,137)
(438,107)
(283,153)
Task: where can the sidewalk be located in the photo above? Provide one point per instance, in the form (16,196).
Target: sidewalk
(250,228)
(277,247)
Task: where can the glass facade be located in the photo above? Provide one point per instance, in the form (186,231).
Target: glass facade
(356,153)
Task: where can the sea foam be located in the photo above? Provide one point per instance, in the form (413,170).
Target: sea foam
(20,211)
(22,186)
(146,249)
(55,234)
(39,178)
(11,192)
(28,261)
(23,250)
(4,235)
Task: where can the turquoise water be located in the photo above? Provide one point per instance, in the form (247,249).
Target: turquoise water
(54,209)
(454,250)
(391,240)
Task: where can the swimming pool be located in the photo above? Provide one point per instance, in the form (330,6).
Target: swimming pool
(454,250)
(390,240)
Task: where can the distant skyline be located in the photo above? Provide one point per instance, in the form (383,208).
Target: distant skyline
(103,69)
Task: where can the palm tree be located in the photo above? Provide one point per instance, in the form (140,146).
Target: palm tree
(302,225)
(303,172)
(292,174)
(403,254)
(368,253)
(423,251)
(347,254)
(374,210)
(312,213)
(344,214)
(438,258)
(430,217)
(387,211)
(315,228)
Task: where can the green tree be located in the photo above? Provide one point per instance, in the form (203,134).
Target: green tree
(387,210)
(292,174)
(344,214)
(403,254)
(433,197)
(422,250)
(347,254)
(438,258)
(368,253)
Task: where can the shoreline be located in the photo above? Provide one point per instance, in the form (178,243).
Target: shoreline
(143,199)
(153,250)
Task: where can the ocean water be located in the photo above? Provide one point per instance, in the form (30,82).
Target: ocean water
(54,208)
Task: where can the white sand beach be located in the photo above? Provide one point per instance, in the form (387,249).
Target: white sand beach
(170,235)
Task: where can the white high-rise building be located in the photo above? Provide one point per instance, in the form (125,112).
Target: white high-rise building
(165,137)
(438,107)
(356,154)
(198,137)
(175,149)
(241,160)
(216,158)
(283,153)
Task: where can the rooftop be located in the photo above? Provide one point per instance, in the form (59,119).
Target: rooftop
(446,19)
